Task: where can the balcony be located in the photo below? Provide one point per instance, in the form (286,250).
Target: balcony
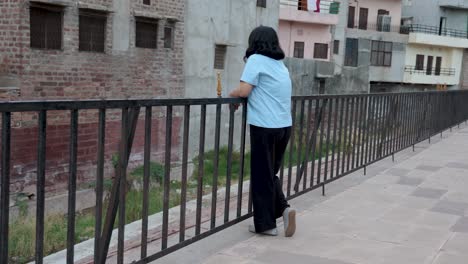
(436,36)
(423,75)
(454,4)
(299,11)
(382,28)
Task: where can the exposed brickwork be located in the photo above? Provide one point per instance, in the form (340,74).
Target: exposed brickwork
(71,74)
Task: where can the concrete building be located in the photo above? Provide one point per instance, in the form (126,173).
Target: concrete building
(374,43)
(438,38)
(216,38)
(86,49)
(305,31)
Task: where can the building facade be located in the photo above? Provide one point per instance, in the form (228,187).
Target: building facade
(87,49)
(438,37)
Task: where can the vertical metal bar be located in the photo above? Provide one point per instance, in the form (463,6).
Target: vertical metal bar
(335,118)
(214,193)
(355,134)
(122,187)
(41,159)
(227,199)
(300,141)
(364,129)
(345,137)
(72,186)
(381,125)
(384,127)
(340,135)
(376,127)
(167,178)
(407,120)
(360,130)
(291,148)
(99,181)
(322,128)
(201,171)
(371,104)
(5,187)
(307,154)
(314,141)
(242,160)
(183,193)
(330,108)
(146,181)
(401,105)
(350,139)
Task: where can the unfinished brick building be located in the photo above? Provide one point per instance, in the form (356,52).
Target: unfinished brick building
(85,49)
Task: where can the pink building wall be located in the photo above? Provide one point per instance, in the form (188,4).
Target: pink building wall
(289,32)
(393,6)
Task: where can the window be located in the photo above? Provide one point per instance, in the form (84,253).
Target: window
(261,3)
(220,56)
(351,16)
(169,36)
(336,47)
(438,66)
(430,60)
(363,15)
(298,50)
(419,62)
(302,5)
(46,27)
(147,2)
(146,33)
(92,35)
(351,54)
(320,51)
(381,53)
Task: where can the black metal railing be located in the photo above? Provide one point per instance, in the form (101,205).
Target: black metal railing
(332,136)
(430,71)
(381,27)
(434,30)
(326,6)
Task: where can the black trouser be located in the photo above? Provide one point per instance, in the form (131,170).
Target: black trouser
(268,146)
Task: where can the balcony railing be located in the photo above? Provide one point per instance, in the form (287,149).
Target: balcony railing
(430,71)
(326,6)
(433,30)
(383,28)
(332,136)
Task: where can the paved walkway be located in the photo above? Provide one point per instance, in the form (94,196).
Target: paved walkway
(413,211)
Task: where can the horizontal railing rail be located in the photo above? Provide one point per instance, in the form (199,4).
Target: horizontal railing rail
(332,136)
(430,71)
(326,6)
(382,28)
(434,30)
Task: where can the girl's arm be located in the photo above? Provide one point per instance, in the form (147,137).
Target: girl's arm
(243,90)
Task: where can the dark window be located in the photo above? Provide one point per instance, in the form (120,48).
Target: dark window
(336,47)
(169,36)
(430,61)
(92,35)
(320,51)
(351,53)
(261,3)
(351,16)
(220,56)
(298,50)
(363,15)
(146,33)
(381,53)
(46,27)
(321,85)
(302,5)
(438,65)
(147,2)
(419,62)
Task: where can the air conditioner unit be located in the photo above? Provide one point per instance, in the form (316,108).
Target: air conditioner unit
(384,23)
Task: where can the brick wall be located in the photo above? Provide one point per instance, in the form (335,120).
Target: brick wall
(71,74)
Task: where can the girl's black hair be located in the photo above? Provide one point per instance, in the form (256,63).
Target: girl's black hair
(264,41)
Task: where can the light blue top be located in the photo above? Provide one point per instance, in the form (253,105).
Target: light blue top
(269,103)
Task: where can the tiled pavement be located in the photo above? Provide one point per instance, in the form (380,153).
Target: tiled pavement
(412,211)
